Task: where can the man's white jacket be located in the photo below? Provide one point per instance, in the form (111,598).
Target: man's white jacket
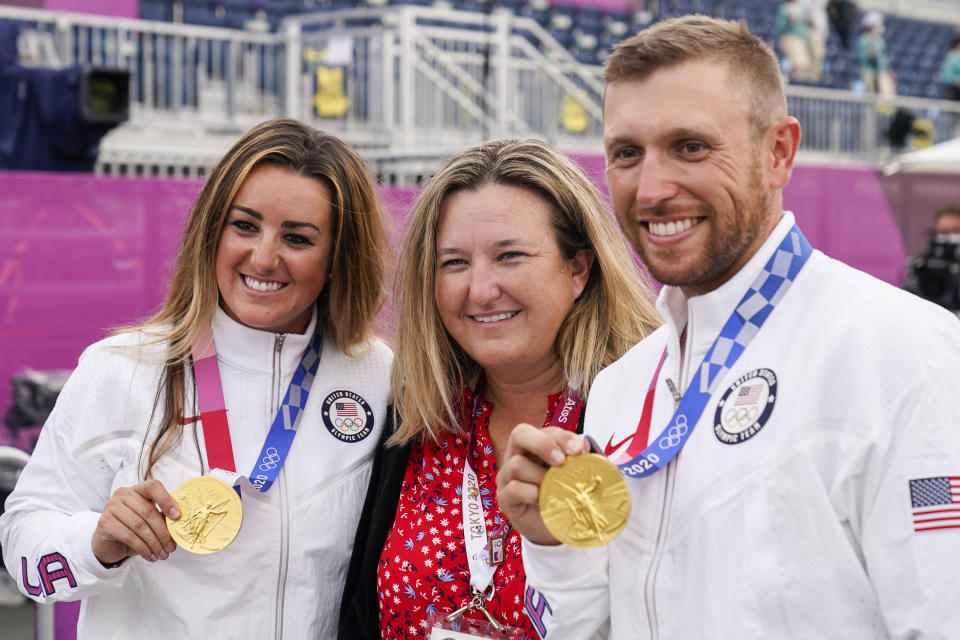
(808,501)
(282,576)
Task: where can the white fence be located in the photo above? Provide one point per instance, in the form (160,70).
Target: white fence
(413,78)
(407,85)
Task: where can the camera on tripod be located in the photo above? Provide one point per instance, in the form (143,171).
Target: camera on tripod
(935,274)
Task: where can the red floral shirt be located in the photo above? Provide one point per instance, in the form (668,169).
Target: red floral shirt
(423,568)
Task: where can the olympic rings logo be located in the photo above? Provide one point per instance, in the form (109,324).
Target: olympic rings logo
(740,418)
(349,425)
(675,433)
(271,460)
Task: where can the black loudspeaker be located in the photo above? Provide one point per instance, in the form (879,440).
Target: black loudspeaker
(900,127)
(104,96)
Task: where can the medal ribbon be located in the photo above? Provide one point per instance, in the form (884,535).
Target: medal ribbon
(767,289)
(213,412)
(639,441)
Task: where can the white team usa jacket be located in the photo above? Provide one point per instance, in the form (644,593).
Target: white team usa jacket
(282,576)
(818,495)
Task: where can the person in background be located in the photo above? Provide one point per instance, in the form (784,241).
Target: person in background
(947,220)
(872,54)
(950,71)
(814,408)
(843,16)
(819,30)
(514,288)
(262,359)
(794,32)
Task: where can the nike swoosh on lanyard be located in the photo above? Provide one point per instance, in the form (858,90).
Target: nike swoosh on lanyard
(610,448)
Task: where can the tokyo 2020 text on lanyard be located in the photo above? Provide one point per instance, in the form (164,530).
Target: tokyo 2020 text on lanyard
(486,553)
(213,413)
(767,289)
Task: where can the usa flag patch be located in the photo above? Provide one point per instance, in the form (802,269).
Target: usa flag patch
(936,503)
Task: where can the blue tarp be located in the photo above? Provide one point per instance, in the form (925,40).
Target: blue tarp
(40,124)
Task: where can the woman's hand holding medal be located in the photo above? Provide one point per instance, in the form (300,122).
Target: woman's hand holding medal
(531,451)
(133,523)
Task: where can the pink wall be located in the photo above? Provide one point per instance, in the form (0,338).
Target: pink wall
(79,254)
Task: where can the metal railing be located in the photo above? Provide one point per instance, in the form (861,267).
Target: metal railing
(857,126)
(420,78)
(187,73)
(407,85)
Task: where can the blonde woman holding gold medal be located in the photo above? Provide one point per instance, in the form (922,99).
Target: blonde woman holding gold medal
(514,289)
(202,473)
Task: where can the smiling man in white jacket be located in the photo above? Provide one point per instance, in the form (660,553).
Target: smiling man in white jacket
(791,435)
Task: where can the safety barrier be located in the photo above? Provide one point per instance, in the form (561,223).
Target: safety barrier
(408,85)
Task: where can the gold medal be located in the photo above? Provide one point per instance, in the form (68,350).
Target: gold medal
(585,502)
(210,515)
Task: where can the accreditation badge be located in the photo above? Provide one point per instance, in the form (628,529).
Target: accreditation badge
(438,633)
(464,628)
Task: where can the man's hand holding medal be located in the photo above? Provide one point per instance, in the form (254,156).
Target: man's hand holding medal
(555,491)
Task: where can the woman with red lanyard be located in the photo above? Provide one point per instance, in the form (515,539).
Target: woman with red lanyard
(514,289)
(202,474)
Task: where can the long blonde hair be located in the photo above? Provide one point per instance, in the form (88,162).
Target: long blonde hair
(348,304)
(612,314)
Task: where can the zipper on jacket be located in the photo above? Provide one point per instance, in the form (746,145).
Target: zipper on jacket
(275,370)
(666,507)
(276,399)
(284,556)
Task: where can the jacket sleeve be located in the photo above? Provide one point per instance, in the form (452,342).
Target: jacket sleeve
(567,592)
(909,501)
(360,606)
(49,520)
(911,512)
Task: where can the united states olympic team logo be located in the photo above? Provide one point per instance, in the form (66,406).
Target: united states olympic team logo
(347,416)
(745,407)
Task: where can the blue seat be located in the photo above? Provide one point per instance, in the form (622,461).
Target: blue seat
(156,10)
(204,13)
(586,56)
(563,36)
(590,20)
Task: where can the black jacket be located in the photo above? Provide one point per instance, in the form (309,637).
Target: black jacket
(360,607)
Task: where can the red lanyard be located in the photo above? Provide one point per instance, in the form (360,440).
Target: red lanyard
(639,440)
(213,411)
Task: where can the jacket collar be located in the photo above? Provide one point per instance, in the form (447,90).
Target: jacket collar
(711,310)
(254,350)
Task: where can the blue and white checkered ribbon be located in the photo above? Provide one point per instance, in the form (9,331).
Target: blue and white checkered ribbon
(277,445)
(769,287)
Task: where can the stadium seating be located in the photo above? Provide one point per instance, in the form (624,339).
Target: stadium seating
(915,47)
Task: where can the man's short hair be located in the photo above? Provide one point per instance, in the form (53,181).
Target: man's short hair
(702,38)
(952,209)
